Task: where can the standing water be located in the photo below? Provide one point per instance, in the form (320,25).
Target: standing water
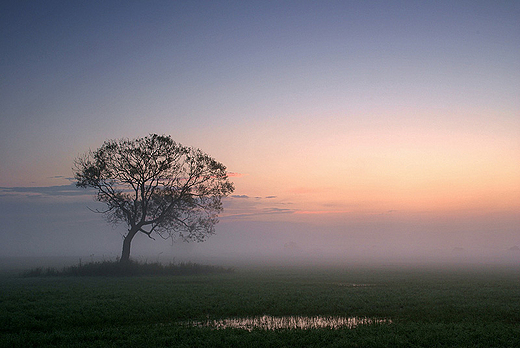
(267,322)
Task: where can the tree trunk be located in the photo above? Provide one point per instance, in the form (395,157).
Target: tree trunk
(127,241)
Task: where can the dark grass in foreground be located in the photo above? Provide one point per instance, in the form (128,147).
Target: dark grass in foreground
(131,268)
(427,308)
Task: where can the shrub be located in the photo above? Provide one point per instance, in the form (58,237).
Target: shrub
(131,268)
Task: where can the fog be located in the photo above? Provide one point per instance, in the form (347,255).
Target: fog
(356,132)
(54,232)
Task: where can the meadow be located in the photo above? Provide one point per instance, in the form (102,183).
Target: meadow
(423,307)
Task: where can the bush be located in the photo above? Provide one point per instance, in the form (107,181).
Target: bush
(41,272)
(131,268)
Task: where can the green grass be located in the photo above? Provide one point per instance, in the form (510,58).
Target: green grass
(428,308)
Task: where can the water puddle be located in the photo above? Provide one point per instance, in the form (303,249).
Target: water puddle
(267,322)
(353,285)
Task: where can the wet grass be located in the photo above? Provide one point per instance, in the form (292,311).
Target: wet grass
(427,308)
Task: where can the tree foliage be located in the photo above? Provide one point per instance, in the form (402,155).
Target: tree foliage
(156,186)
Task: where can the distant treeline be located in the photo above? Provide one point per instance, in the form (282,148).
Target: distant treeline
(131,268)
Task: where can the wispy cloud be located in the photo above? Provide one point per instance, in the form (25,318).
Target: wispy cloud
(60,190)
(60,177)
(262,212)
(246,196)
(278,211)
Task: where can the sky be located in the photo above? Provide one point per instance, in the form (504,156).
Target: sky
(383,129)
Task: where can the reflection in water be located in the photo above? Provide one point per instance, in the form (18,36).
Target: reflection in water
(267,322)
(352,285)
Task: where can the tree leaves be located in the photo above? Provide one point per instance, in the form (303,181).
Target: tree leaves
(156,185)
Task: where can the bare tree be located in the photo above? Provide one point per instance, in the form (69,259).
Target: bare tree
(156,186)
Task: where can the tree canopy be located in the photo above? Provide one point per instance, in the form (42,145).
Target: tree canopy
(156,186)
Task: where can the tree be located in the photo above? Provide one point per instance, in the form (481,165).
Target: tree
(156,186)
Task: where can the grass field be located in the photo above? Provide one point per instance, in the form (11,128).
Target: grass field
(427,308)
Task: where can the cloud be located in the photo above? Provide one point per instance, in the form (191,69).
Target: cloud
(246,196)
(278,211)
(61,190)
(262,212)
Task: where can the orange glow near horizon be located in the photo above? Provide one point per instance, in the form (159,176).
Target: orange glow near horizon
(337,169)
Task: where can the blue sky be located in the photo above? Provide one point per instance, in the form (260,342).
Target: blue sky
(336,110)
